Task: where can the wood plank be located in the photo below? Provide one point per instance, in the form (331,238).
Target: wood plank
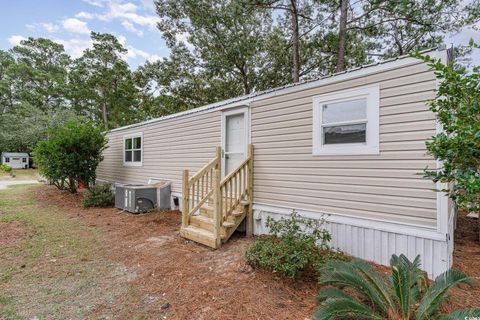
(199,235)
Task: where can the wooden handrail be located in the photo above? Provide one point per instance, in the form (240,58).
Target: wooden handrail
(196,190)
(237,185)
(213,163)
(231,174)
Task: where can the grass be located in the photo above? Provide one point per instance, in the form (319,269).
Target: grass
(59,267)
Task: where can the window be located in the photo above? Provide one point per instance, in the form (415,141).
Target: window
(7,159)
(133,150)
(346,122)
(24,160)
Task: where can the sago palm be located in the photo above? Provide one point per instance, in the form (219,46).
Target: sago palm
(405,295)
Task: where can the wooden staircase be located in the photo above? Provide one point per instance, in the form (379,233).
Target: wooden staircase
(213,208)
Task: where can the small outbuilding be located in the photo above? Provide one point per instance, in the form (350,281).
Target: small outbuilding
(16,160)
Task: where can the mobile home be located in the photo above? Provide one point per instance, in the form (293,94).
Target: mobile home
(346,147)
(16,160)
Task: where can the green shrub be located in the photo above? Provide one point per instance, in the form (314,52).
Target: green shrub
(405,294)
(71,154)
(296,245)
(100,195)
(457,145)
(4,168)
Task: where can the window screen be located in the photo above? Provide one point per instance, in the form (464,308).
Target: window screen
(344,122)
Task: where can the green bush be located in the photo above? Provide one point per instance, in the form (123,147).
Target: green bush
(296,245)
(5,168)
(457,146)
(71,154)
(406,294)
(100,195)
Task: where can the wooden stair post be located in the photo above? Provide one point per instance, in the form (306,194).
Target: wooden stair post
(217,209)
(249,231)
(185,199)
(217,198)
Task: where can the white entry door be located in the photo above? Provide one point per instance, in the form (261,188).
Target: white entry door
(235,137)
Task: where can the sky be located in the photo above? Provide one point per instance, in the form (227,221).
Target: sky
(69,22)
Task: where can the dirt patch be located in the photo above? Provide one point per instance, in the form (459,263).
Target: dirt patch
(185,280)
(11,232)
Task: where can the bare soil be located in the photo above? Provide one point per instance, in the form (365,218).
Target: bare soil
(11,233)
(186,279)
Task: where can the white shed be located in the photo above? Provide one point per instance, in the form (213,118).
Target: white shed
(16,160)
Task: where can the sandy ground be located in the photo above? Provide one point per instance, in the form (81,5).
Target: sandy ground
(6,183)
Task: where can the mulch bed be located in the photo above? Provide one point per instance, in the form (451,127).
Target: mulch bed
(191,281)
(466,258)
(186,279)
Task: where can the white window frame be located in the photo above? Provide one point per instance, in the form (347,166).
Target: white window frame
(7,159)
(133,136)
(371,146)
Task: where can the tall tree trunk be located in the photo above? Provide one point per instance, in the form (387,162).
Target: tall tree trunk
(104,114)
(342,36)
(295,42)
(246,83)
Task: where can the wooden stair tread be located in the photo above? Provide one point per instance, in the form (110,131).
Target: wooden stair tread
(203,222)
(199,235)
(228,224)
(227,232)
(237,212)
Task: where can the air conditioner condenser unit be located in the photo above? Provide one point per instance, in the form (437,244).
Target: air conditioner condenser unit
(142,198)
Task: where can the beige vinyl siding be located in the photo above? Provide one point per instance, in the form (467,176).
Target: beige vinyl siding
(168,148)
(385,187)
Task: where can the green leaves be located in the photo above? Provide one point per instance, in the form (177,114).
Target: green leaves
(404,280)
(467,314)
(40,71)
(100,195)
(361,277)
(404,296)
(458,147)
(345,308)
(71,154)
(296,245)
(437,292)
(102,85)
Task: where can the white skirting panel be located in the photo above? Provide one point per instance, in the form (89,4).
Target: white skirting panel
(375,241)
